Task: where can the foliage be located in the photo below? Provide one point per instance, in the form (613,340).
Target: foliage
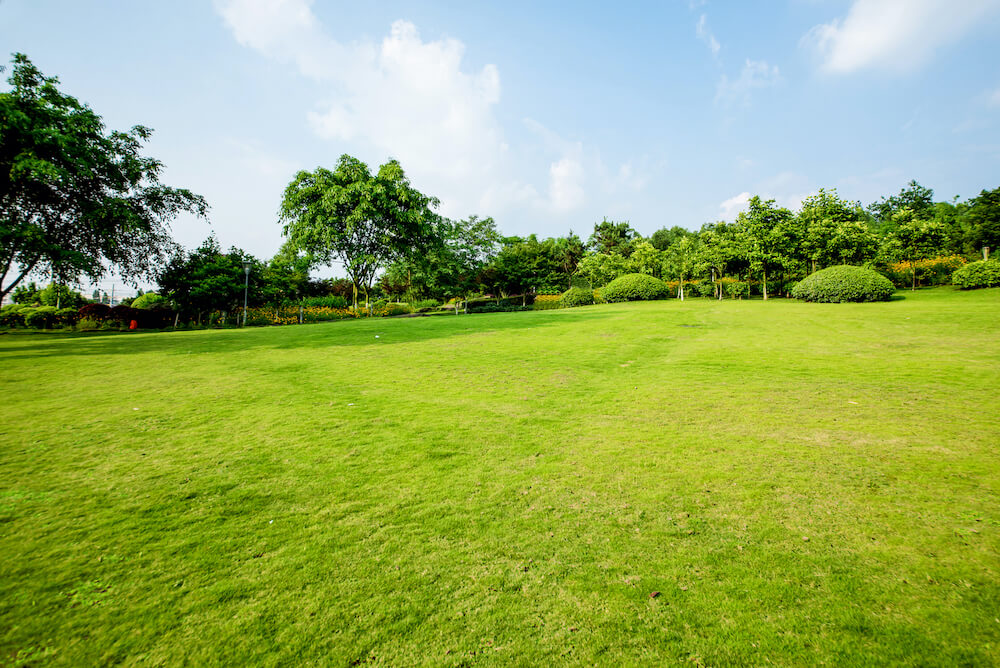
(98,312)
(362,220)
(635,287)
(981,274)
(612,238)
(26,294)
(766,235)
(983,222)
(737,289)
(40,317)
(329,301)
(207,279)
(602,268)
(150,300)
(844,283)
(75,200)
(576,297)
(930,271)
(547,302)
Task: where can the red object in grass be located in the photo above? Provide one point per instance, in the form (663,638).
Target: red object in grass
(133,325)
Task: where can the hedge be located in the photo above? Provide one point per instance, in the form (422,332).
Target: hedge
(844,283)
(982,274)
(635,287)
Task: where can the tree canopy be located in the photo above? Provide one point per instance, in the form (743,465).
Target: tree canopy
(362,220)
(74,199)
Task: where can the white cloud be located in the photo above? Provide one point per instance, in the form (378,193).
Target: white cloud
(415,100)
(705,35)
(756,74)
(729,209)
(894,35)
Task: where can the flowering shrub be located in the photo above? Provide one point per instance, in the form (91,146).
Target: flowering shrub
(736,289)
(932,271)
(545,302)
(289,315)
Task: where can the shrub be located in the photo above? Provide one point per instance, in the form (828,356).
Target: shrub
(98,312)
(87,324)
(546,302)
(599,296)
(576,297)
(930,271)
(844,284)
(328,301)
(392,308)
(425,305)
(150,300)
(123,314)
(12,315)
(67,316)
(41,317)
(982,274)
(705,288)
(737,289)
(635,287)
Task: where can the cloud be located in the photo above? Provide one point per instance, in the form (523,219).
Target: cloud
(416,100)
(756,74)
(895,35)
(729,209)
(705,35)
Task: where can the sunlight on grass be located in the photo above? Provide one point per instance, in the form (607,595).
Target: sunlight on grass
(794,482)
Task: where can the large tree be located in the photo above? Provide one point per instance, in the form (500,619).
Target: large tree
(984,223)
(765,233)
(74,199)
(362,220)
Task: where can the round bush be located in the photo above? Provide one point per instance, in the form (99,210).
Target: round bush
(982,274)
(576,297)
(43,316)
(844,284)
(635,287)
(150,300)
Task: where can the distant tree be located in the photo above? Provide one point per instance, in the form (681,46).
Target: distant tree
(663,238)
(60,296)
(611,237)
(365,221)
(646,259)
(917,238)
(918,199)
(74,199)
(764,235)
(602,268)
(207,279)
(835,231)
(569,251)
(26,294)
(984,222)
(681,257)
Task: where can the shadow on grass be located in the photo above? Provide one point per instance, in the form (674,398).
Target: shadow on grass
(343,333)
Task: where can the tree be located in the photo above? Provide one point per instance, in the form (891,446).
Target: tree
(207,279)
(984,222)
(918,199)
(611,237)
(362,220)
(764,234)
(74,199)
(917,238)
(664,238)
(834,231)
(602,268)
(680,262)
(646,259)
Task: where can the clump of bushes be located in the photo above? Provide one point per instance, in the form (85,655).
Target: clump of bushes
(576,297)
(635,287)
(844,283)
(328,301)
(150,300)
(982,274)
(424,305)
(546,302)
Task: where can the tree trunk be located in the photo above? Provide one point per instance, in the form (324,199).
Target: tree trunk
(764,273)
(177,318)
(914,267)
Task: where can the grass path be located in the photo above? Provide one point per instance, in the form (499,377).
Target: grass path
(798,483)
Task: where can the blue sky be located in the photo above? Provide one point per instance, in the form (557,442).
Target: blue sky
(546,116)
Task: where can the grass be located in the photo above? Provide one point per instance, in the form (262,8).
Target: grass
(720,482)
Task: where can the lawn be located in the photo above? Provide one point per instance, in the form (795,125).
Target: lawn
(722,482)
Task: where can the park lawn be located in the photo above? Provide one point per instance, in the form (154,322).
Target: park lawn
(722,482)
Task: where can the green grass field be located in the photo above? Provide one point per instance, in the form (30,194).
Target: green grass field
(721,482)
